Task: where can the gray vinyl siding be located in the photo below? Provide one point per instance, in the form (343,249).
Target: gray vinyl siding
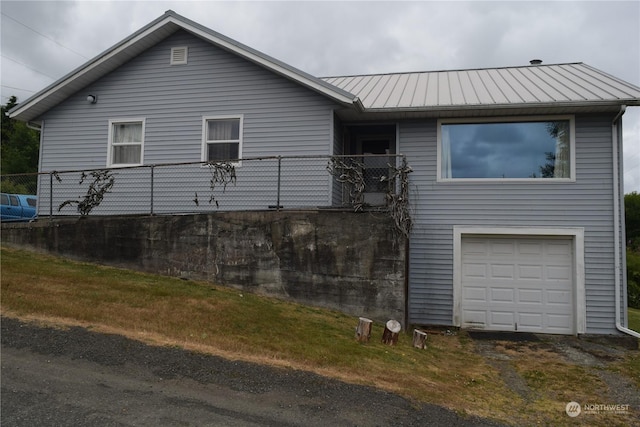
(280,118)
(338,149)
(438,207)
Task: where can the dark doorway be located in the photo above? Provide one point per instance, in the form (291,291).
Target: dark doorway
(376,144)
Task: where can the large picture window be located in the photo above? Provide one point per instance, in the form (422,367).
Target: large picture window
(222,139)
(522,150)
(126,141)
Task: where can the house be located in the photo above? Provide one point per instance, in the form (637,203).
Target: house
(516,190)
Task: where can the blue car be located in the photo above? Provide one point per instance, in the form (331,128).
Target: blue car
(17,207)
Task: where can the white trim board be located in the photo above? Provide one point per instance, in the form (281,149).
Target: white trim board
(575,233)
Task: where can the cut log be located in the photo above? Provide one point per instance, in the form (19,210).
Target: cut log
(419,339)
(363,331)
(391,332)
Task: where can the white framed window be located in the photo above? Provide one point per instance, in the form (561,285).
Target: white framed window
(222,138)
(540,149)
(126,142)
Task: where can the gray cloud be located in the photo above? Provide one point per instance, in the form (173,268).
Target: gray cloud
(340,38)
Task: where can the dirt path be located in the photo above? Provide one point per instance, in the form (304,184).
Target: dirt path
(591,359)
(77,377)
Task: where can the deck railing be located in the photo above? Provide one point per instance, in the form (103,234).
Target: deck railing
(259,183)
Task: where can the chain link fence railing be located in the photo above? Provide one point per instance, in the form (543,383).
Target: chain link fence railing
(282,182)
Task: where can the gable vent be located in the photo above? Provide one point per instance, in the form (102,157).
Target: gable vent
(179,55)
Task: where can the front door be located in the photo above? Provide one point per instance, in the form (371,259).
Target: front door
(373,148)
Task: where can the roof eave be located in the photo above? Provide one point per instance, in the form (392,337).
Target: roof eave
(22,111)
(550,105)
(494,110)
(170,22)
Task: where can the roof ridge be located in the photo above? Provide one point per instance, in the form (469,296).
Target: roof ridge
(449,71)
(150,35)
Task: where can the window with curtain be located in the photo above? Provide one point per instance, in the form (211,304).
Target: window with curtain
(506,150)
(222,139)
(126,142)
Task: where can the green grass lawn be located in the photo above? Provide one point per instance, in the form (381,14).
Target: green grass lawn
(634,319)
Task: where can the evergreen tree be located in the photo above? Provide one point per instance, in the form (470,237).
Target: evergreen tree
(19,149)
(632,220)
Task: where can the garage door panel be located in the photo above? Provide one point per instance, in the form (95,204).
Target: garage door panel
(529,321)
(558,297)
(502,319)
(530,248)
(559,248)
(559,322)
(475,317)
(530,296)
(502,248)
(474,270)
(502,271)
(530,272)
(475,247)
(502,295)
(559,272)
(475,294)
(518,283)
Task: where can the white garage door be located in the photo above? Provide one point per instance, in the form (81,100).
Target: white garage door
(518,284)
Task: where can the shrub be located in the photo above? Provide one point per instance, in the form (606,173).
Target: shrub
(633,279)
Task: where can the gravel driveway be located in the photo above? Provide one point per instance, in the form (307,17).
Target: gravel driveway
(78,377)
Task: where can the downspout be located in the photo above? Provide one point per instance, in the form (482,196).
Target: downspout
(617,224)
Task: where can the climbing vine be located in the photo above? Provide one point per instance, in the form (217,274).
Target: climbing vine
(222,173)
(398,203)
(350,171)
(102,183)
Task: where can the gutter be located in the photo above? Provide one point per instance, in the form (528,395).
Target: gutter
(618,223)
(34,126)
(594,106)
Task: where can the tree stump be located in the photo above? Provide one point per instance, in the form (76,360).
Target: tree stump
(363,331)
(419,339)
(391,332)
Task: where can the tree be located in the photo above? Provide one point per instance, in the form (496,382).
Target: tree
(632,231)
(19,149)
(548,170)
(633,278)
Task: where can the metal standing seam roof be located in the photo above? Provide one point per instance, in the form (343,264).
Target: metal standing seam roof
(557,84)
(567,85)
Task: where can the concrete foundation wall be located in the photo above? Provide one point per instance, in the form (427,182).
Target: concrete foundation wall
(351,262)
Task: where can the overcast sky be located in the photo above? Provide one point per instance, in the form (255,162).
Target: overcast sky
(43,40)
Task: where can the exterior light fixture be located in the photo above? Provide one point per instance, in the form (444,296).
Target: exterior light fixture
(92,99)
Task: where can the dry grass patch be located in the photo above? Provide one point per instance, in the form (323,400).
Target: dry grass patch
(169,311)
(556,382)
(628,366)
(216,320)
